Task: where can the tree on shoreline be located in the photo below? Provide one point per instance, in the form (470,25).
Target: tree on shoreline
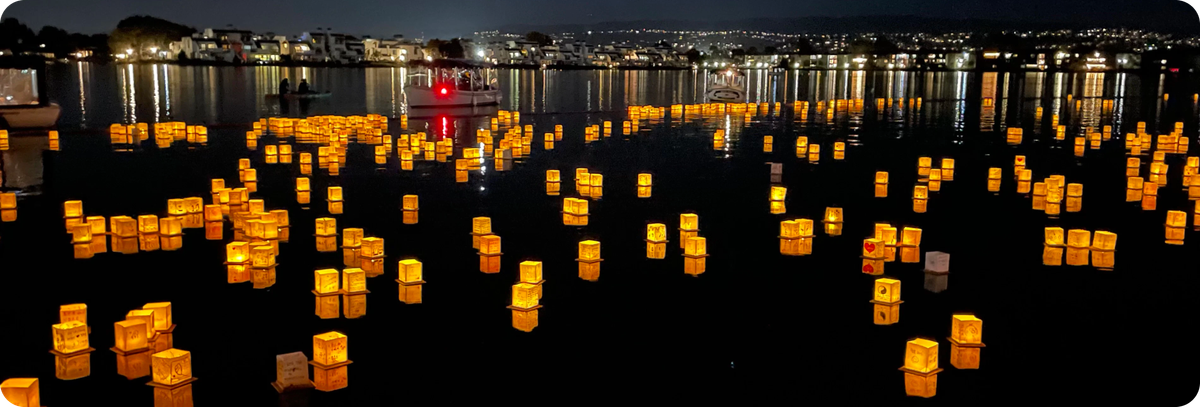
(140,33)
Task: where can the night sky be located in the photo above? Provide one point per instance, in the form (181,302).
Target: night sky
(380,18)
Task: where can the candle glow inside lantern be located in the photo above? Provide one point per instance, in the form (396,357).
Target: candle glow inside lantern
(325,281)
(163,320)
(553,176)
(70,337)
(171,367)
(71,209)
(966,340)
(326,227)
(170,226)
(410,203)
(354,281)
(994,175)
(22,392)
(330,361)
(147,224)
(921,356)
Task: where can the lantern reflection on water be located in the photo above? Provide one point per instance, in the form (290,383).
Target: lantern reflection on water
(589,260)
(330,361)
(886,300)
(656,241)
(921,368)
(966,333)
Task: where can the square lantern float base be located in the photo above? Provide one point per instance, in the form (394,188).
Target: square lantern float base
(294,387)
(75,353)
(333,366)
(886,303)
(129,352)
(339,292)
(344,292)
(914,372)
(966,345)
(418,282)
(514,308)
(173,386)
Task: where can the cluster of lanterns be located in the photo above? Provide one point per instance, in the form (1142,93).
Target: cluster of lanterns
(164,134)
(525,296)
(352,291)
(882,247)
(1077,244)
(921,355)
(89,235)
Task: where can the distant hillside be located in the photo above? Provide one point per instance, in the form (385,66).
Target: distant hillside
(822,25)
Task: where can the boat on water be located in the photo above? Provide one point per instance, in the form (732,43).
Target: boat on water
(314,95)
(453,83)
(24,103)
(726,86)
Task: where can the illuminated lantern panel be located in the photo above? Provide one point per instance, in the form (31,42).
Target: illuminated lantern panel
(881,177)
(411,203)
(887,290)
(778,193)
(689,222)
(490,244)
(645,180)
(326,227)
(1079,238)
(325,281)
(131,335)
(171,367)
(656,232)
(372,247)
(525,295)
(147,224)
(334,194)
(70,337)
(921,355)
(237,252)
(1103,240)
(481,225)
(330,348)
(72,313)
(910,236)
(410,271)
(873,249)
(1054,236)
(589,250)
(22,392)
(966,330)
(163,320)
(531,272)
(71,209)
(352,237)
(834,215)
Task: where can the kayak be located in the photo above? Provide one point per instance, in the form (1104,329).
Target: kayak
(298,95)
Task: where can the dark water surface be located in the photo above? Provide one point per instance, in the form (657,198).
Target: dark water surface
(756,324)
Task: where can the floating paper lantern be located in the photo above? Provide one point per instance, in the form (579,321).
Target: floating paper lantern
(489,245)
(886,291)
(147,224)
(881,177)
(22,392)
(910,237)
(921,356)
(170,226)
(372,247)
(325,281)
(966,330)
(71,209)
(689,222)
(1079,238)
(70,337)
(72,313)
(778,193)
(552,176)
(656,232)
(326,227)
(1054,236)
(531,272)
(1104,240)
(354,281)
(410,203)
(330,348)
(525,295)
(171,367)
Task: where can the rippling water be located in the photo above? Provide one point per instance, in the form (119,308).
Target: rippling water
(794,327)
